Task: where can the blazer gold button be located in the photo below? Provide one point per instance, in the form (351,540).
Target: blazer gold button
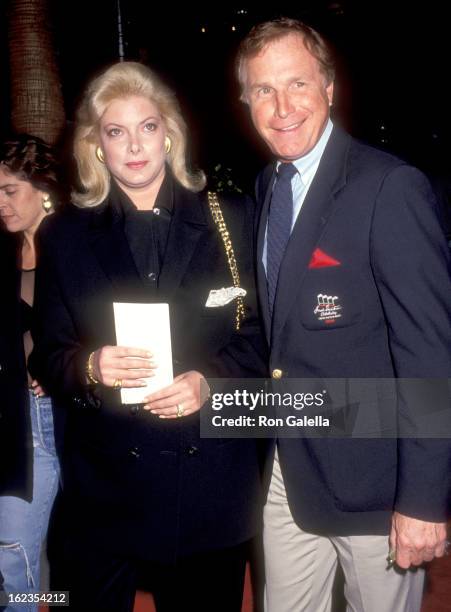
(277,373)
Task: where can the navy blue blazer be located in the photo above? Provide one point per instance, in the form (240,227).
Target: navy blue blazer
(369,219)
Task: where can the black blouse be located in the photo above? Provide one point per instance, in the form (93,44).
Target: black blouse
(147,230)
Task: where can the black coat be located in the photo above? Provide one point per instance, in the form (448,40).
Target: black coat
(140,484)
(16,448)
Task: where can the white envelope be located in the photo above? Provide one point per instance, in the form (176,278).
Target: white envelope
(146,326)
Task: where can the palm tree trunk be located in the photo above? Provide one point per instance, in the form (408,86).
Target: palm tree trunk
(36,99)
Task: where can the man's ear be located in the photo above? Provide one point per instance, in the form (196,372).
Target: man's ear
(330,92)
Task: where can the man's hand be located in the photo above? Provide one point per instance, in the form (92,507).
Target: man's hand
(416,541)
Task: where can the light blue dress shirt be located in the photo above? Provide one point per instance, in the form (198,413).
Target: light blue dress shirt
(300,183)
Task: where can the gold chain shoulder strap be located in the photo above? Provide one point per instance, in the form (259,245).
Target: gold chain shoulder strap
(224,233)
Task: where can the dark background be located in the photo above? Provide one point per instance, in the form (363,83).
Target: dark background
(392,79)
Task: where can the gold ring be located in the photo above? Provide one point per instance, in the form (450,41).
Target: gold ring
(117,383)
(180,410)
(391,559)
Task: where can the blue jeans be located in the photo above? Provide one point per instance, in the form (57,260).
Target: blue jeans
(23,525)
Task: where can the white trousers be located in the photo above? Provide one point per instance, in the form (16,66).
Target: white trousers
(300,567)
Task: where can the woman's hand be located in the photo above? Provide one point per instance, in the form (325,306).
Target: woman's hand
(36,389)
(122,366)
(186,395)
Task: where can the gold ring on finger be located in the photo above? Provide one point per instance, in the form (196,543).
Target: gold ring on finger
(391,559)
(117,383)
(180,410)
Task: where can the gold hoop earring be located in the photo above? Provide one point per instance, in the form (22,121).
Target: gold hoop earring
(47,203)
(167,144)
(99,155)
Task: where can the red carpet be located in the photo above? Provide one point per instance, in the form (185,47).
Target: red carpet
(438,588)
(437,597)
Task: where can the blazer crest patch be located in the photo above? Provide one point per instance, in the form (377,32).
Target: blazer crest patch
(327,309)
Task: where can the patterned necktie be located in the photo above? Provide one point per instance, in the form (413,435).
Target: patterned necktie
(279,227)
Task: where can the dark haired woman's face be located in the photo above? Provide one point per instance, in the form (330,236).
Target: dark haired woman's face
(132,137)
(20,203)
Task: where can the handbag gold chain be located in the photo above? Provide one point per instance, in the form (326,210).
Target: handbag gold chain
(224,233)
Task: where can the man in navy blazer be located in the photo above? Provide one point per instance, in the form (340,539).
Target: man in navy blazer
(362,291)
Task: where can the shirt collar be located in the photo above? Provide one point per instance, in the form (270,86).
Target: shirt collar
(308,164)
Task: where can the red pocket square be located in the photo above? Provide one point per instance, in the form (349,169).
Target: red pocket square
(320,259)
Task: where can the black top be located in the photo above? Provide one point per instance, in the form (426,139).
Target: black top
(147,230)
(16,447)
(27,316)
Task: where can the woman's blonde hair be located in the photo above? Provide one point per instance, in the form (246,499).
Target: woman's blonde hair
(123,80)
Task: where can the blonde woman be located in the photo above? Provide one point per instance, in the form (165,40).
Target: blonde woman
(140,485)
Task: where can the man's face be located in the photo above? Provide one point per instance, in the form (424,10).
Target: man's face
(288,97)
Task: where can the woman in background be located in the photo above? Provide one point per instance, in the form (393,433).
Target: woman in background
(29,469)
(141,488)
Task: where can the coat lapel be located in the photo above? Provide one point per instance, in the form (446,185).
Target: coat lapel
(310,224)
(187,226)
(109,243)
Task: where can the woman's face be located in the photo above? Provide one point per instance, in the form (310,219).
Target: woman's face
(20,203)
(132,137)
